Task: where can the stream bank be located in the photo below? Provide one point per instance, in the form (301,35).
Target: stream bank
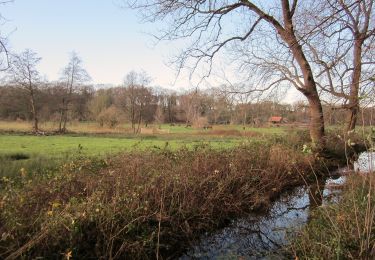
(261,236)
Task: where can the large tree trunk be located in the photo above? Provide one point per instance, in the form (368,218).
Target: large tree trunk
(316,123)
(309,90)
(317,132)
(353,105)
(352,116)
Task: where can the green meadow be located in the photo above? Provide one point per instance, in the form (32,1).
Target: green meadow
(38,154)
(58,146)
(91,140)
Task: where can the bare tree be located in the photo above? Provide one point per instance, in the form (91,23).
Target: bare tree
(243,106)
(189,103)
(73,76)
(24,74)
(167,104)
(214,25)
(343,49)
(360,21)
(135,97)
(171,103)
(221,105)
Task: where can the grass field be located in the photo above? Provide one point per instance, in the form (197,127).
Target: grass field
(57,146)
(37,153)
(20,150)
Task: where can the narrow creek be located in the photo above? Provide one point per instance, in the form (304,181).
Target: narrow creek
(261,236)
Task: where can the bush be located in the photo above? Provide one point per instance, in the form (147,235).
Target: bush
(110,117)
(200,122)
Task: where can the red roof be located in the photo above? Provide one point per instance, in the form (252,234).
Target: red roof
(275,119)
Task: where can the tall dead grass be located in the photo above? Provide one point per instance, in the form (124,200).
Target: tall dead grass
(143,205)
(344,230)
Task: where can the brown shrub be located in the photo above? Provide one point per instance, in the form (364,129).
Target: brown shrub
(140,205)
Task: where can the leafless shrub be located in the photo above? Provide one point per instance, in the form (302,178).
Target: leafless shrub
(140,205)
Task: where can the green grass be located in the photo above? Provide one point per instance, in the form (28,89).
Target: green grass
(46,152)
(58,146)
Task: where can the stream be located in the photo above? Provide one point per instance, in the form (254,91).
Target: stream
(261,236)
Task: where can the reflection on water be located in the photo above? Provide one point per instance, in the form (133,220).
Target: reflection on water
(316,193)
(260,236)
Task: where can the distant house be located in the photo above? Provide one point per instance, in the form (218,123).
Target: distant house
(275,120)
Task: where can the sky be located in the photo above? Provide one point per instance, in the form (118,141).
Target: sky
(110,40)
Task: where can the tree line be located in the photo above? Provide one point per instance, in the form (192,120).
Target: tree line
(25,96)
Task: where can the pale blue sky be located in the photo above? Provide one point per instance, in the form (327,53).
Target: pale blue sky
(110,40)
